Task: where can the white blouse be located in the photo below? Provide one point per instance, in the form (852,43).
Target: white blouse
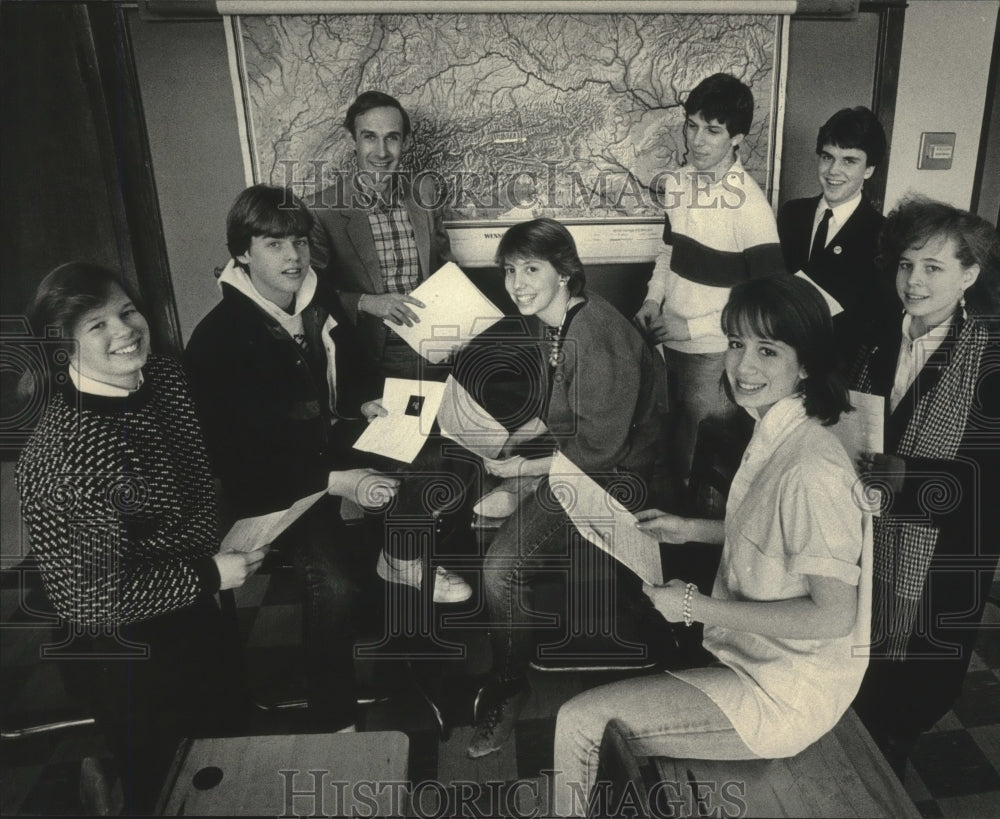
(913,354)
(790,514)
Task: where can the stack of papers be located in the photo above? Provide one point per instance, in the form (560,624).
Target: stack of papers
(454,313)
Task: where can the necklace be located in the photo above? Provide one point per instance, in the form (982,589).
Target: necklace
(554,336)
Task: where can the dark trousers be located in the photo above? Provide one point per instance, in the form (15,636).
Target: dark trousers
(331,564)
(188,684)
(433,487)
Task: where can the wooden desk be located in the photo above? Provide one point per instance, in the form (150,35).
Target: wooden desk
(841,774)
(307,775)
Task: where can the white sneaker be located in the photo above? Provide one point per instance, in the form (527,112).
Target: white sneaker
(500,503)
(448,586)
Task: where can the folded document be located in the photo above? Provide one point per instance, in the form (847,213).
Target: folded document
(454,313)
(604,521)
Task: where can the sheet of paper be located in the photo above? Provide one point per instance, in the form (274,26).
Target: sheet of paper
(412,407)
(248,534)
(463,420)
(604,521)
(831,302)
(864,429)
(454,313)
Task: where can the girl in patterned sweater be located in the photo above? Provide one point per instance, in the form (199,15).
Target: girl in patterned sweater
(118,501)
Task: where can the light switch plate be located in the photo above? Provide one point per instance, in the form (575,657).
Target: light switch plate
(936,151)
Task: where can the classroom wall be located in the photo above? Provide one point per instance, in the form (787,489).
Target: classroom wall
(814,92)
(190,112)
(947,46)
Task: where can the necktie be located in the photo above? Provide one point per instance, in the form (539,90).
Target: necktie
(819,240)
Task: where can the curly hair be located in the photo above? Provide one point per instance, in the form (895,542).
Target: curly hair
(917,220)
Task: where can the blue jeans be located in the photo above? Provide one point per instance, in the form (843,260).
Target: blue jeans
(535,545)
(663,716)
(694,393)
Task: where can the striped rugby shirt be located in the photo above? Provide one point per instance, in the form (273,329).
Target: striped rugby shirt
(714,237)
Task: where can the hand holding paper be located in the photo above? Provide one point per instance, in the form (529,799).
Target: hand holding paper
(250,534)
(454,312)
(364,487)
(505,467)
(235,567)
(393,307)
(666,528)
(411,407)
(603,521)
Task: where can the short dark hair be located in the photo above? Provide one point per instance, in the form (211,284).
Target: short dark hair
(548,240)
(61,299)
(366,101)
(725,99)
(789,309)
(917,220)
(856,128)
(265,210)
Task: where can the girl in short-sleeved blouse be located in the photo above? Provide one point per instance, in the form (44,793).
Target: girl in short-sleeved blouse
(791,599)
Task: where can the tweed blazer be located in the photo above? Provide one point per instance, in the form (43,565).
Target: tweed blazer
(344,255)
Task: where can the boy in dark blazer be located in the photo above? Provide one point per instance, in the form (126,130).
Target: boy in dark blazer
(833,237)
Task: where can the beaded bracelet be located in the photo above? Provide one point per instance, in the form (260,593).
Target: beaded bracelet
(689,591)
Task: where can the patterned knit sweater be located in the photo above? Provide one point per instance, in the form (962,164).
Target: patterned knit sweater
(119,502)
